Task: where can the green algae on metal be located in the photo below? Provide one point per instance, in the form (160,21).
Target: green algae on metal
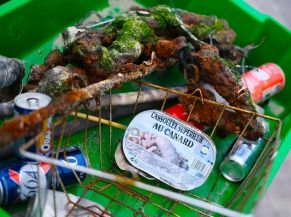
(132,32)
(56,90)
(203,29)
(164,16)
(106,61)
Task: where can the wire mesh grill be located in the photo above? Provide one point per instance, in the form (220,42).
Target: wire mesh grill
(122,196)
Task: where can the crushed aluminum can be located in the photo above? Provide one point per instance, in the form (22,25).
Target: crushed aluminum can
(264,81)
(168,149)
(240,161)
(27,103)
(55,203)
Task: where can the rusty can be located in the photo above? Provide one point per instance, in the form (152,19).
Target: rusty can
(264,81)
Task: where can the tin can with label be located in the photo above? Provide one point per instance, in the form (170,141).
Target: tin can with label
(27,103)
(20,181)
(240,161)
(264,81)
(169,149)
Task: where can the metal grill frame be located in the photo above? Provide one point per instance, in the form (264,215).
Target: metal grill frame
(200,206)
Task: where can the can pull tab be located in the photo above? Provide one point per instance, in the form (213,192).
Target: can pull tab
(33,102)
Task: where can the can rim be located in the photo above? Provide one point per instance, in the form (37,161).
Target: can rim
(282,73)
(17,98)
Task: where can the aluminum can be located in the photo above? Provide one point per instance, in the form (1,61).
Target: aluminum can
(240,161)
(27,103)
(73,156)
(264,81)
(20,181)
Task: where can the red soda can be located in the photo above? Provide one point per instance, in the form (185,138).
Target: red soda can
(264,81)
(179,112)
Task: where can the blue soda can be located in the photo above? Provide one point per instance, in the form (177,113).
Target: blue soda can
(27,103)
(73,156)
(20,181)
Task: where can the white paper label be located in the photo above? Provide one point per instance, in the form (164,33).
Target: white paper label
(169,150)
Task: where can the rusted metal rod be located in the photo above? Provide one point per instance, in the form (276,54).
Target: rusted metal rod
(21,126)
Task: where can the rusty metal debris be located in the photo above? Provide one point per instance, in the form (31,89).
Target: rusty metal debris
(20,126)
(134,45)
(132,38)
(59,80)
(207,67)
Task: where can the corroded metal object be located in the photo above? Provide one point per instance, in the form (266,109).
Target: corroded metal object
(133,42)
(132,37)
(20,126)
(11,74)
(59,80)
(206,67)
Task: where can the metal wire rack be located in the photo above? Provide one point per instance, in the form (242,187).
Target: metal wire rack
(121,195)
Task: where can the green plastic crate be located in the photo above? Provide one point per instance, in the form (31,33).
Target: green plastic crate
(29,28)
